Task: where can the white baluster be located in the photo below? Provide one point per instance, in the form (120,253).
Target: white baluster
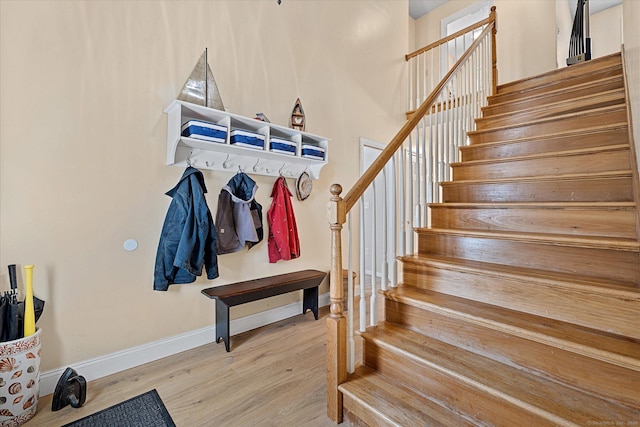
(363,296)
(350,340)
(373,312)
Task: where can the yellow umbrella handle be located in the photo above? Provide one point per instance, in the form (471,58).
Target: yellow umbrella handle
(29,312)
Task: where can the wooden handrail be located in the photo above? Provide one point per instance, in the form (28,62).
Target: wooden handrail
(450,37)
(336,215)
(370,174)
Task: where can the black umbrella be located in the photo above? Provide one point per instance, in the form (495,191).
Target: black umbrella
(12,311)
(3,309)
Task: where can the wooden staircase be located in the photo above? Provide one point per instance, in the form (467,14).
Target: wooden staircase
(522,305)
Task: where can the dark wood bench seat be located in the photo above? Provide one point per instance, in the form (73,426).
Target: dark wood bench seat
(252,290)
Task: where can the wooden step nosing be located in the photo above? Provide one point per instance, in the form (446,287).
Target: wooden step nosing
(546,155)
(630,245)
(614,60)
(548,81)
(574,347)
(527,88)
(574,88)
(608,95)
(534,205)
(557,118)
(580,285)
(464,379)
(627,173)
(431,408)
(619,126)
(365,404)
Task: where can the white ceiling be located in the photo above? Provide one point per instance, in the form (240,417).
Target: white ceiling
(417,8)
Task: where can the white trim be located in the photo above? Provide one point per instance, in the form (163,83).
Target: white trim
(476,7)
(102,366)
(365,142)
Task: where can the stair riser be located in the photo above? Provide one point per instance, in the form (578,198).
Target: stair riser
(550,126)
(596,262)
(536,101)
(606,312)
(577,221)
(568,164)
(359,415)
(351,418)
(608,136)
(449,390)
(561,365)
(611,189)
(567,77)
(376,401)
(488,122)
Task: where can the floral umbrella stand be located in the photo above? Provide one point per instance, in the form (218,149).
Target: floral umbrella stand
(19,379)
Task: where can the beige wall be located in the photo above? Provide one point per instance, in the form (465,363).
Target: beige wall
(605,27)
(606,31)
(83,143)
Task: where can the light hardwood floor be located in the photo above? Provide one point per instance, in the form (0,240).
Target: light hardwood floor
(273,376)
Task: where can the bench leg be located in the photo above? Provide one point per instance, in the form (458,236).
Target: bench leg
(310,301)
(222,323)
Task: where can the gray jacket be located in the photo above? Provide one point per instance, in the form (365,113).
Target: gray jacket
(239,215)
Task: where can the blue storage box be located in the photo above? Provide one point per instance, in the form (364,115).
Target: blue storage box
(312,151)
(246,139)
(198,129)
(282,146)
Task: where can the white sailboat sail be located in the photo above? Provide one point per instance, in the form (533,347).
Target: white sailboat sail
(201,88)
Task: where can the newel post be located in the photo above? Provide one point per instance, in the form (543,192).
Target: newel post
(494,55)
(336,322)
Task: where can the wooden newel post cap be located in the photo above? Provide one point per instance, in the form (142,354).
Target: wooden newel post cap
(335,189)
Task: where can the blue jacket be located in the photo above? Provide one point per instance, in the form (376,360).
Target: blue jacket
(188,238)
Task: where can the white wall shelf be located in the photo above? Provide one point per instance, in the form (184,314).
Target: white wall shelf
(224,156)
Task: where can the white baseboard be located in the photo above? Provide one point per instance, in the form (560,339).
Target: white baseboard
(119,361)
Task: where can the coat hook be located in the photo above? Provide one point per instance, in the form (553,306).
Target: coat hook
(280,171)
(255,167)
(189,158)
(225,165)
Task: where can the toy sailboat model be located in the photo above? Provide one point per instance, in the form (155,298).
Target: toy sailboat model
(201,88)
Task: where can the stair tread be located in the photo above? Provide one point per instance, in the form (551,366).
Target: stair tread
(580,114)
(551,400)
(624,244)
(537,205)
(396,403)
(567,133)
(589,100)
(594,285)
(595,175)
(545,155)
(574,88)
(622,351)
(615,60)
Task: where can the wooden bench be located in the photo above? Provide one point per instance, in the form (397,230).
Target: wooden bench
(252,290)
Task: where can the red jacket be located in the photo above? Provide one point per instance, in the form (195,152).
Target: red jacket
(283,232)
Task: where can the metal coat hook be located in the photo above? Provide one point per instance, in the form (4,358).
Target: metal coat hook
(283,165)
(189,158)
(225,164)
(255,167)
